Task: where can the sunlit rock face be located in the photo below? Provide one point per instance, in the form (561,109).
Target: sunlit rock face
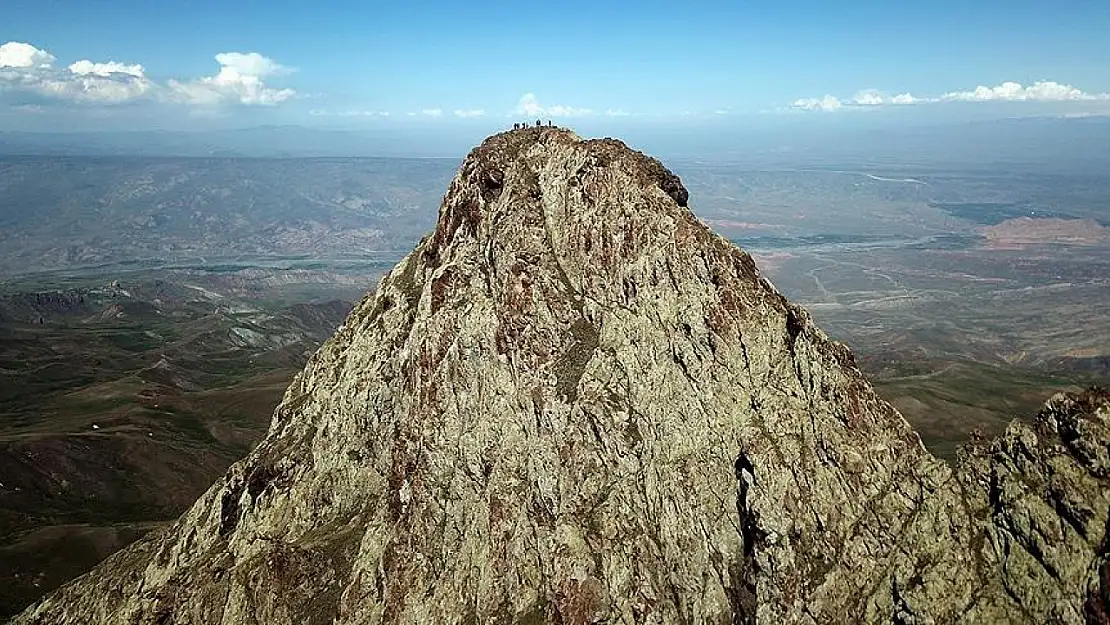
(574,403)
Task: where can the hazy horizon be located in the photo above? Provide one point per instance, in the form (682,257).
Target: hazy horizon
(1053,143)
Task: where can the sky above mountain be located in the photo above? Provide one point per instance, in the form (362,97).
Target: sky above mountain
(73,65)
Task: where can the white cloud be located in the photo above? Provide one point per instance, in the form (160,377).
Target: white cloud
(250,64)
(827,103)
(432,112)
(567,111)
(1043,91)
(617,113)
(363,113)
(240,79)
(874,97)
(868,98)
(17,54)
(28,73)
(530,106)
(113,88)
(86,67)
(468,113)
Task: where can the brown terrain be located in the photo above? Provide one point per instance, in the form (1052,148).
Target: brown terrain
(1029,231)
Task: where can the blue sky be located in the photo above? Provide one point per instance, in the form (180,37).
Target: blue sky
(342,64)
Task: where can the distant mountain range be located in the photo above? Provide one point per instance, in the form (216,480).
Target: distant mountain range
(261,141)
(74,211)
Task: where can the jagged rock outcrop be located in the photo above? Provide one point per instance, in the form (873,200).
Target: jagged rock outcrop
(574,403)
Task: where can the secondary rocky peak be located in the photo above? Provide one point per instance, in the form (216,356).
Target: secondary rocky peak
(574,403)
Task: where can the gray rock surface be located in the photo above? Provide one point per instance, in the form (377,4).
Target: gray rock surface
(574,403)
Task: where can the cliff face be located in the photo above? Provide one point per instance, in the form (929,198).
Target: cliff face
(574,403)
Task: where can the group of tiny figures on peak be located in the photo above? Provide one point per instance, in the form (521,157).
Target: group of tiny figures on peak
(539,124)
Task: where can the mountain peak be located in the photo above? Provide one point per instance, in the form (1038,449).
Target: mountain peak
(573,402)
(525,164)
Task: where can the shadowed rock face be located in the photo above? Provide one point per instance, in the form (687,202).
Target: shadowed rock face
(574,403)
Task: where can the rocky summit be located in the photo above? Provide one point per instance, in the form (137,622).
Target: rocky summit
(574,403)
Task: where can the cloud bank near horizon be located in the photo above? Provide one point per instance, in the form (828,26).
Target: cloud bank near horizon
(1041,91)
(527,107)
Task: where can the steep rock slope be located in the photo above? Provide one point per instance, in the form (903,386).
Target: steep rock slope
(574,403)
